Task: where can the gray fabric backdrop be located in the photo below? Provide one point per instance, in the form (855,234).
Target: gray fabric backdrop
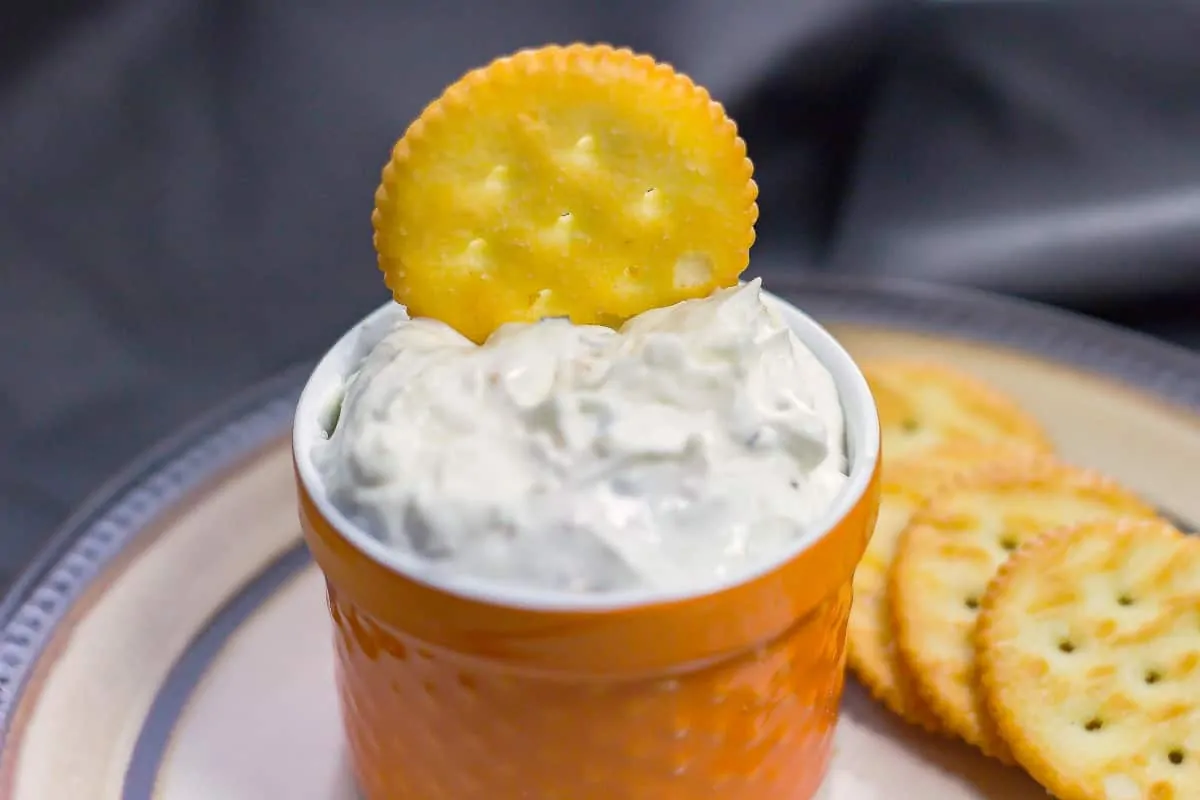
(186,184)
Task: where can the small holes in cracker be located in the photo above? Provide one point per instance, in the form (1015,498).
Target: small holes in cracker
(950,556)
(651,206)
(1125,669)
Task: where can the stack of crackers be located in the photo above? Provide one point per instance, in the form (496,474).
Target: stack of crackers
(1036,609)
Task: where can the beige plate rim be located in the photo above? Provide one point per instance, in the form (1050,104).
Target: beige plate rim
(72,565)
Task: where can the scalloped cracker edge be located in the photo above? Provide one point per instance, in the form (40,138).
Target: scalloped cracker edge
(582,181)
(951,551)
(870,639)
(927,406)
(1089,660)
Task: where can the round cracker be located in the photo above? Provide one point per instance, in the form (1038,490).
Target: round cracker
(926,406)
(1089,659)
(870,640)
(949,554)
(582,181)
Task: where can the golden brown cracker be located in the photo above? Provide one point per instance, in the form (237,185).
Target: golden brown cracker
(870,640)
(1089,660)
(582,181)
(923,407)
(951,551)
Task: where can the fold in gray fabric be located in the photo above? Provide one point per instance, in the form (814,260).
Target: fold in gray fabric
(187,185)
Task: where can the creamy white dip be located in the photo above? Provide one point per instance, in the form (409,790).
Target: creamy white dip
(694,444)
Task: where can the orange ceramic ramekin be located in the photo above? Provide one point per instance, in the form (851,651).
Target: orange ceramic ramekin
(465,690)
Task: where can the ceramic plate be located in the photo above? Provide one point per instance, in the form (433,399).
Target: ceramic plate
(172,642)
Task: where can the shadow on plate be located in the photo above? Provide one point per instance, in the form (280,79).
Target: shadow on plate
(973,774)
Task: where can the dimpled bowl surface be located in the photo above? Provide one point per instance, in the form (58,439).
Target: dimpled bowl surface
(431,725)
(484,716)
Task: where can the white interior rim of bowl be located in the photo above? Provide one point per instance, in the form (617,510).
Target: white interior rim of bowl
(325,386)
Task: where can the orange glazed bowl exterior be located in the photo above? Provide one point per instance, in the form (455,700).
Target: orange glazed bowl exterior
(465,690)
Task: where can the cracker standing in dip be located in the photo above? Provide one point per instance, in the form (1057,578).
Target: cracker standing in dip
(457,684)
